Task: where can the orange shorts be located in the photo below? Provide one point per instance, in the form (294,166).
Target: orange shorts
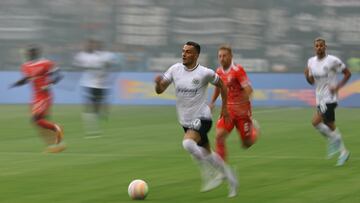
(243,126)
(41,107)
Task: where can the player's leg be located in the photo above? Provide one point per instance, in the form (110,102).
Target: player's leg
(90,117)
(324,122)
(191,138)
(47,135)
(214,160)
(222,131)
(329,120)
(51,132)
(103,104)
(255,129)
(39,111)
(101,107)
(244,127)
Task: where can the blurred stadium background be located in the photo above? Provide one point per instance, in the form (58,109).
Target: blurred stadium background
(267,36)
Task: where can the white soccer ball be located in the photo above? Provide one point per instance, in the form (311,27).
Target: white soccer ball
(138,189)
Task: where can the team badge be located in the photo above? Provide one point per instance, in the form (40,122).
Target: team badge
(196,81)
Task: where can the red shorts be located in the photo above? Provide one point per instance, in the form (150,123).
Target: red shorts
(243,126)
(41,106)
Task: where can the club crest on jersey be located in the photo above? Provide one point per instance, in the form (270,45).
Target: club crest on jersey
(196,81)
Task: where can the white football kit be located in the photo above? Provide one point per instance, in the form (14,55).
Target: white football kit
(95,63)
(325,72)
(191,91)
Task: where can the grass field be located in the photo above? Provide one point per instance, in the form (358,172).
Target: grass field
(287,165)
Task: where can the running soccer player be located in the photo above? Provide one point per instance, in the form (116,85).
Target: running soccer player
(42,74)
(238,103)
(191,81)
(95,83)
(321,71)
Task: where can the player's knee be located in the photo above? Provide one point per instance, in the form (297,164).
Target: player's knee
(36,118)
(189,145)
(221,134)
(314,123)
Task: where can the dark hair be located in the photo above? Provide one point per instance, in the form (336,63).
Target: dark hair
(319,39)
(195,45)
(33,51)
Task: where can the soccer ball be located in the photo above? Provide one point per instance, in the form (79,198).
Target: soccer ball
(138,189)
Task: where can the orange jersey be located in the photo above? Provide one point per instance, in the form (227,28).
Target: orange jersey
(235,79)
(39,73)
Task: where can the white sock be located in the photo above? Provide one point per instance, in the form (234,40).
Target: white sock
(91,123)
(191,146)
(217,162)
(325,130)
(337,133)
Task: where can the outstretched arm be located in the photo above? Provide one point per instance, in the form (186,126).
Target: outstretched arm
(160,84)
(20,82)
(56,76)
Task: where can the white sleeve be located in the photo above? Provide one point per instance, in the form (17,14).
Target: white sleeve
(77,60)
(212,77)
(308,66)
(168,75)
(339,65)
(109,57)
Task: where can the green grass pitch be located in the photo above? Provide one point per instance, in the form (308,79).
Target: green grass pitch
(287,164)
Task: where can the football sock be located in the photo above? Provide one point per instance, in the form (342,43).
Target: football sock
(217,162)
(338,136)
(220,148)
(45,124)
(91,123)
(191,146)
(325,131)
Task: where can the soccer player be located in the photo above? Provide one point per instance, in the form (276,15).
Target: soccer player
(321,71)
(42,74)
(95,81)
(191,81)
(238,103)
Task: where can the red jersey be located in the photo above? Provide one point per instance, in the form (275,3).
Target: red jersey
(38,71)
(235,79)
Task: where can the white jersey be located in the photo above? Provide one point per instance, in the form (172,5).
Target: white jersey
(191,91)
(95,75)
(325,72)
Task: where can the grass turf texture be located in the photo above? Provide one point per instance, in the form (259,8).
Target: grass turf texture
(286,165)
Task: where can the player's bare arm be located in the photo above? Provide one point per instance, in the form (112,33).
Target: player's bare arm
(248,91)
(55,76)
(347,74)
(309,78)
(160,84)
(223,91)
(20,82)
(214,97)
